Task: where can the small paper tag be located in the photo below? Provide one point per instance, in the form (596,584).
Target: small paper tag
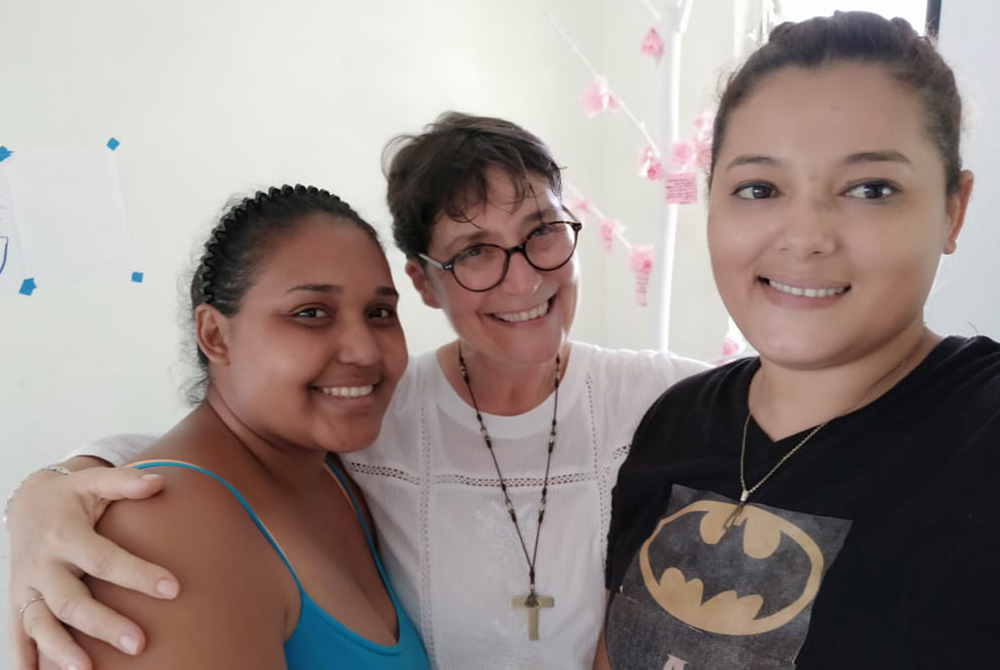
(681,188)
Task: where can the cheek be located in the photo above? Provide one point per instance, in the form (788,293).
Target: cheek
(729,248)
(394,352)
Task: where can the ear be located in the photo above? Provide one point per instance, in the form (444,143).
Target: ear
(211,329)
(957,203)
(418,275)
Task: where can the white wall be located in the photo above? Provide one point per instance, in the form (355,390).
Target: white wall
(965,299)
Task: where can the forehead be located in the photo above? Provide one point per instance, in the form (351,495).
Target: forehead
(322,248)
(509,206)
(835,109)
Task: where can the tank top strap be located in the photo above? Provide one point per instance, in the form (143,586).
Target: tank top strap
(342,482)
(261,526)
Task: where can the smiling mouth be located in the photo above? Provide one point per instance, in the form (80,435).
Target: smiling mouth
(347,391)
(805,292)
(525,315)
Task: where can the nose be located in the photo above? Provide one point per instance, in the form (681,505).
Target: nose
(522,278)
(357,344)
(809,228)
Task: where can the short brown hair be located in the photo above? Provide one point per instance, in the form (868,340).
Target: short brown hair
(443,170)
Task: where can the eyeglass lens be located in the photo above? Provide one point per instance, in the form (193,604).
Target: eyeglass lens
(548,247)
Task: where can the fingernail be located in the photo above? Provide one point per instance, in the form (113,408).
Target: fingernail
(128,643)
(152,476)
(166,588)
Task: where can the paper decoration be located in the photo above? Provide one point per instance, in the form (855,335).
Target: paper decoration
(27,287)
(652,45)
(703,155)
(704,125)
(651,167)
(598,98)
(67,210)
(640,262)
(113,144)
(681,188)
(730,347)
(5,153)
(682,155)
(580,206)
(610,228)
(12,271)
(137,277)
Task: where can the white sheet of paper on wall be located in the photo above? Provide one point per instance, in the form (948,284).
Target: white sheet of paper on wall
(69,214)
(12,271)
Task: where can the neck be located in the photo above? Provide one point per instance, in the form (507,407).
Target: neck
(501,387)
(785,401)
(287,466)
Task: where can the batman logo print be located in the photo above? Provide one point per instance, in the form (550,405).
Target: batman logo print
(710,590)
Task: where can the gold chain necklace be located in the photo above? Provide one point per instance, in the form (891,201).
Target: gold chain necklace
(532,602)
(746,492)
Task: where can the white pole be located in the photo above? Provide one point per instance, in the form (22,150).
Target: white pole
(663,267)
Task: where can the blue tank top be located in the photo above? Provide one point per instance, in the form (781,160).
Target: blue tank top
(319,640)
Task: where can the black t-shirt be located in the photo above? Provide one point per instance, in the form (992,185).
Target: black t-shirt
(877,545)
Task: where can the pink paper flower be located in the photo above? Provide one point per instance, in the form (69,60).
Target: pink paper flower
(681,155)
(703,153)
(609,228)
(598,98)
(730,347)
(651,167)
(640,261)
(652,45)
(704,127)
(580,207)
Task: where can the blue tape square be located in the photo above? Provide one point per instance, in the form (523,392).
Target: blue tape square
(27,286)
(113,144)
(5,153)
(137,277)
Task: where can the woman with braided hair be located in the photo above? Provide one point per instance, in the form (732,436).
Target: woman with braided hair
(294,314)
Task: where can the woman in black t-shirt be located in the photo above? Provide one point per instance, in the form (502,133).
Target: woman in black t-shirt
(827,504)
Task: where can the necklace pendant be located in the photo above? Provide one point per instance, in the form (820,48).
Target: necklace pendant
(744,497)
(532,604)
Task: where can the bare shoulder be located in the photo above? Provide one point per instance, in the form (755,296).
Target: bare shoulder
(237,598)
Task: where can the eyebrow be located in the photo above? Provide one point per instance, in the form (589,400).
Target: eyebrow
(885,156)
(537,216)
(338,289)
(882,156)
(753,159)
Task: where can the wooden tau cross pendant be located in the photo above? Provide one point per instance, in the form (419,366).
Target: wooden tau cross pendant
(533,602)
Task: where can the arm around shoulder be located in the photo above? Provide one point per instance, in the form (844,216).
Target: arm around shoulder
(234,609)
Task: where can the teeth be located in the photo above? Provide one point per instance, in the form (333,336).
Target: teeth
(807,292)
(515,317)
(348,391)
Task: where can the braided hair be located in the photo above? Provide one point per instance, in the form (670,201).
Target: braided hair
(243,235)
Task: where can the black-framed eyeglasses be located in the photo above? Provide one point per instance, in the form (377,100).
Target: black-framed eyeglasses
(483,266)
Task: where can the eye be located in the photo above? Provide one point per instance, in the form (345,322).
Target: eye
(471,252)
(382,313)
(311,313)
(544,229)
(871,190)
(755,191)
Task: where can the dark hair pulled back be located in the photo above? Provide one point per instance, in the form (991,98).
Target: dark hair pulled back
(443,170)
(233,252)
(867,38)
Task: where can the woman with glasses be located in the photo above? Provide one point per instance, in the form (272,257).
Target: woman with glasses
(490,483)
